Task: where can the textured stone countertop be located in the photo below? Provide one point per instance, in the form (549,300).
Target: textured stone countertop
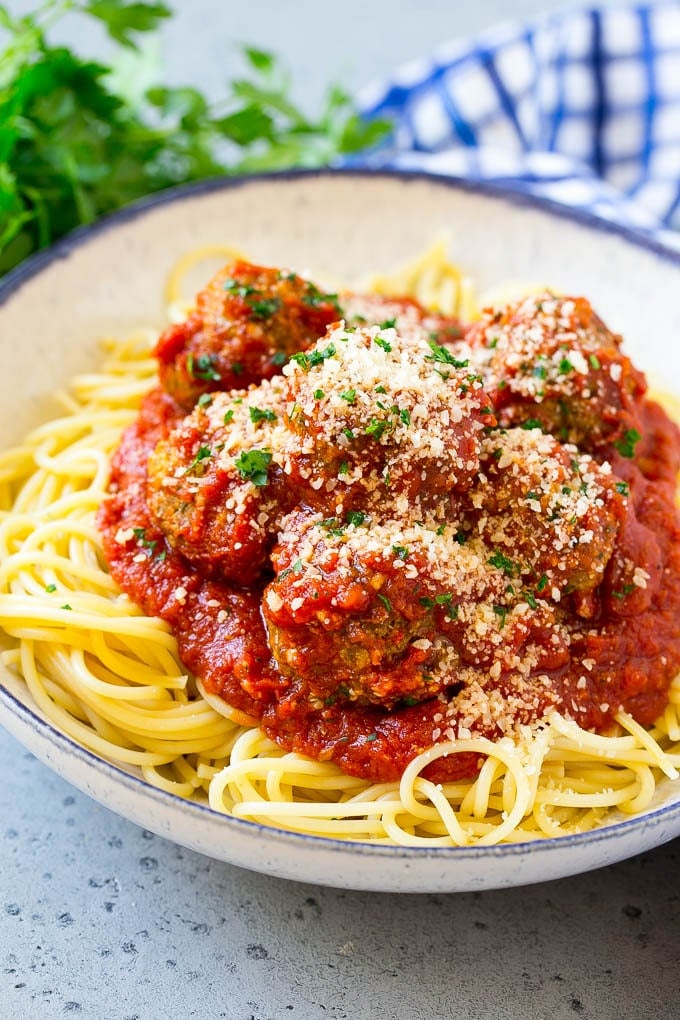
(101,919)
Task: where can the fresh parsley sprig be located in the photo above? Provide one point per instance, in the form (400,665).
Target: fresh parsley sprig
(73,147)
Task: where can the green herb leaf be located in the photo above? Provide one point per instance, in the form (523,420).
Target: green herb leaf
(258,414)
(252,465)
(504,563)
(626,445)
(203,367)
(444,356)
(203,453)
(376,428)
(123,20)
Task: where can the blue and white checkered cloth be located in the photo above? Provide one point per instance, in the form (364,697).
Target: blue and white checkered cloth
(582,107)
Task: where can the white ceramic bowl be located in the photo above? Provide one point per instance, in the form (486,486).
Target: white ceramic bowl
(109,279)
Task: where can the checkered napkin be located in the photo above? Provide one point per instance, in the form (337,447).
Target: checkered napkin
(582,107)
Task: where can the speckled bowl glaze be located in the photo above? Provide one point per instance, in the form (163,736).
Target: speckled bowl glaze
(109,279)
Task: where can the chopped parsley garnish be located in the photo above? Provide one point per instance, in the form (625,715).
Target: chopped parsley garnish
(382,342)
(314,298)
(237,368)
(626,445)
(389,324)
(295,568)
(542,583)
(371,737)
(202,454)
(405,416)
(229,416)
(279,358)
(444,356)
(344,468)
(314,358)
(444,599)
(205,400)
(376,427)
(319,394)
(626,590)
(319,356)
(623,488)
(401,551)
(355,517)
(147,543)
(565,366)
(258,414)
(203,367)
(386,602)
(504,563)
(264,308)
(594,361)
(540,371)
(501,612)
(531,423)
(252,465)
(460,537)
(380,389)
(49,588)
(349,395)
(332,526)
(302,360)
(240,289)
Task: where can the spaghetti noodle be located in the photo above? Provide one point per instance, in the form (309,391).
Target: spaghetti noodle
(110,677)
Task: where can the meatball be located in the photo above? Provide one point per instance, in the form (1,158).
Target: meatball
(247,323)
(406,315)
(552,360)
(375,416)
(356,607)
(212,487)
(549,514)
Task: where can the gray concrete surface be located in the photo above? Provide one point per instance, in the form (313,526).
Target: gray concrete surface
(102,920)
